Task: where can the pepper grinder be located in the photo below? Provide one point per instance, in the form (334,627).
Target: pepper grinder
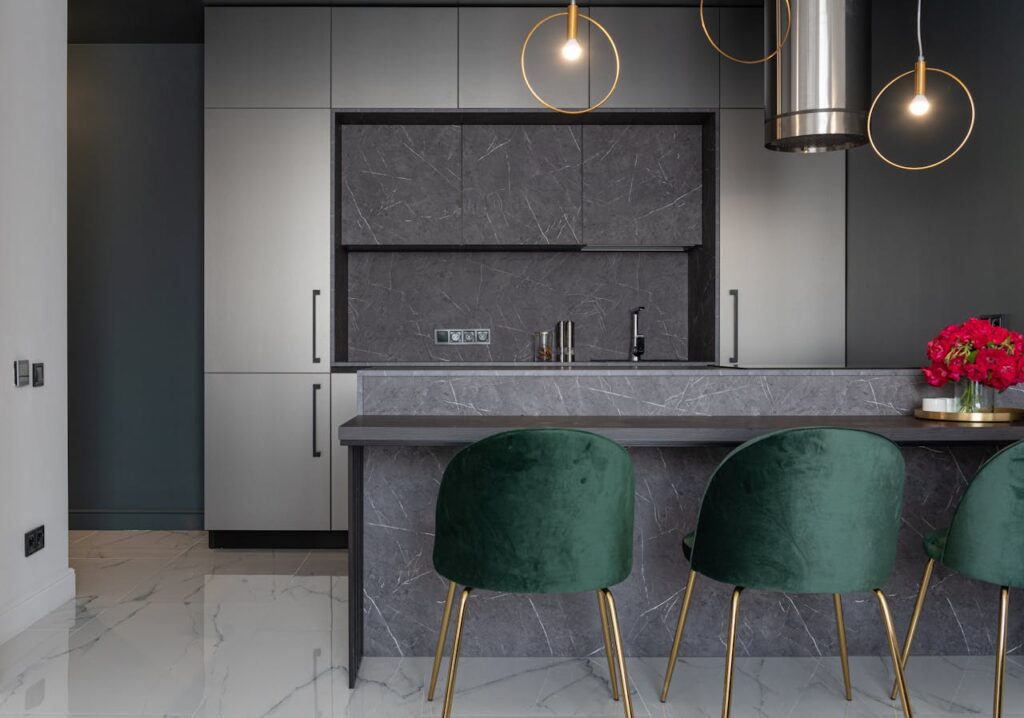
(565,341)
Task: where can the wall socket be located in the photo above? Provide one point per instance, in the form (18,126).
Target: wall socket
(462,336)
(35,540)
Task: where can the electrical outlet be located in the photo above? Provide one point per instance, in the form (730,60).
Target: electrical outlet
(462,336)
(35,540)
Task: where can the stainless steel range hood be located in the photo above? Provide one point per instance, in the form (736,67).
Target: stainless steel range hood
(817,93)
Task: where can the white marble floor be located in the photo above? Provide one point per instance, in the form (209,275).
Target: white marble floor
(163,626)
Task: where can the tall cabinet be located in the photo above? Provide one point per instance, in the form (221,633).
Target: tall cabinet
(268,269)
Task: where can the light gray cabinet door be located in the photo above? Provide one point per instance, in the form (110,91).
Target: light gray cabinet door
(783,249)
(267,452)
(268,241)
(666,60)
(490,39)
(343,408)
(742,35)
(268,57)
(390,57)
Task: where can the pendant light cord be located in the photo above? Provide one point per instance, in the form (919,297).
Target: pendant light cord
(920,46)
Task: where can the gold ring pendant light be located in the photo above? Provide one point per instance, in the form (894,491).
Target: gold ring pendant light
(571,52)
(760,60)
(919,105)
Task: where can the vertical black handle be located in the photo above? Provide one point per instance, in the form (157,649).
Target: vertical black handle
(735,293)
(316,359)
(316,451)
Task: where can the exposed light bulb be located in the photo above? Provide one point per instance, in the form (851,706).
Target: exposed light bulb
(572,50)
(919,105)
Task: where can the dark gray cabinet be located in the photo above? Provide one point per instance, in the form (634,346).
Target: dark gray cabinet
(642,185)
(400,184)
(666,60)
(490,39)
(395,57)
(742,35)
(521,184)
(268,57)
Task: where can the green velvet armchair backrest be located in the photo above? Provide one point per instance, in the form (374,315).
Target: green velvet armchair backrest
(814,510)
(536,511)
(986,538)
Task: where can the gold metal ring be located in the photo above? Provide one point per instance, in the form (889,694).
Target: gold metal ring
(766,58)
(541,100)
(947,158)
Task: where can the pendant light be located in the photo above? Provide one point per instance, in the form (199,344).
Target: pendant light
(571,52)
(919,106)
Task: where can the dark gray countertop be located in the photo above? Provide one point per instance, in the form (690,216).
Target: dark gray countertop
(660,431)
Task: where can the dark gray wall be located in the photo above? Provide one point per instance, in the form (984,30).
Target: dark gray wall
(926,249)
(135,258)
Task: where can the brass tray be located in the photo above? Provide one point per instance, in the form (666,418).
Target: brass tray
(999,415)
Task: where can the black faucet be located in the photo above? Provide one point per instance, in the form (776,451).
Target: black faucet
(636,342)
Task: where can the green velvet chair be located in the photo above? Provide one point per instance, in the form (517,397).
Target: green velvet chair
(985,542)
(536,511)
(814,510)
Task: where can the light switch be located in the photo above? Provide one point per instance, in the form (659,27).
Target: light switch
(37,374)
(21,374)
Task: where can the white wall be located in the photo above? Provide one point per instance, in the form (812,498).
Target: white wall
(33,308)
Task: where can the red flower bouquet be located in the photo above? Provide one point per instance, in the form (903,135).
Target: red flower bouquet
(979,352)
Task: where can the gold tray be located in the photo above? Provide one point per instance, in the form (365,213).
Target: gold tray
(1000,415)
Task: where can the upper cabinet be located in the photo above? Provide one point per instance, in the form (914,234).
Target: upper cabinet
(268,57)
(490,40)
(742,35)
(392,57)
(666,60)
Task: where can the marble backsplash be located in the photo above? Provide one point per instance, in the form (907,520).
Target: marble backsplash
(397,299)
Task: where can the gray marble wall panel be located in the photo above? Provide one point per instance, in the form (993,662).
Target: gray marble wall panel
(650,392)
(522,184)
(642,185)
(400,184)
(396,300)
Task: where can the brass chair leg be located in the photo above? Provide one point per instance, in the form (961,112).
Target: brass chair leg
(914,618)
(894,653)
(1004,610)
(731,652)
(453,667)
(843,655)
(673,656)
(620,654)
(442,637)
(612,676)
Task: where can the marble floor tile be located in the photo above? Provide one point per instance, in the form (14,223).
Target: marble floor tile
(240,634)
(134,544)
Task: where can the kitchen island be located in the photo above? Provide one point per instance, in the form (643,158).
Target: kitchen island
(678,424)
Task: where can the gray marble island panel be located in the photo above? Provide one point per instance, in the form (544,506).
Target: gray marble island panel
(403,595)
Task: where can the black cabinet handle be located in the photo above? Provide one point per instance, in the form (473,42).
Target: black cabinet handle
(734,359)
(316,293)
(316,451)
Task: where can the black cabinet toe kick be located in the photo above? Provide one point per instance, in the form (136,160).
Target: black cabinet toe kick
(278,539)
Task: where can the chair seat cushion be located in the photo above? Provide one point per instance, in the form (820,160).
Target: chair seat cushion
(688,544)
(935,543)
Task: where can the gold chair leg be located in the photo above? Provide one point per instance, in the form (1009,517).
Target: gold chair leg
(1004,610)
(673,656)
(894,652)
(843,655)
(442,637)
(914,618)
(612,675)
(453,667)
(620,654)
(730,653)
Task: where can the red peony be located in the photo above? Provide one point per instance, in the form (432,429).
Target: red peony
(979,351)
